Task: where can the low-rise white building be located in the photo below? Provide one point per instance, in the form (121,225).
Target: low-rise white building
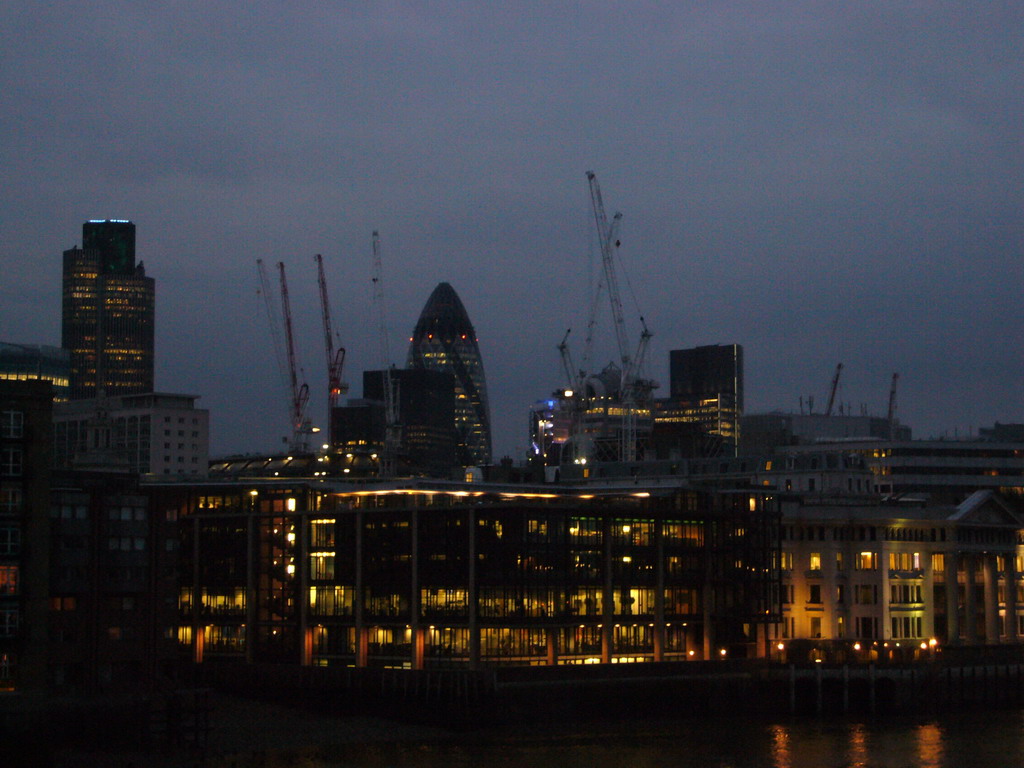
(157,434)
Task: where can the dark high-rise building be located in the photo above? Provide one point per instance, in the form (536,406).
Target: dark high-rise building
(108,313)
(424,402)
(444,340)
(705,388)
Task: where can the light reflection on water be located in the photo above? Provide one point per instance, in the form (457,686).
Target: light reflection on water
(977,740)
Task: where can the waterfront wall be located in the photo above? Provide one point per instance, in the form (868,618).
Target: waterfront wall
(692,688)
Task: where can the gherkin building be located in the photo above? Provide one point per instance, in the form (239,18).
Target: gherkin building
(444,340)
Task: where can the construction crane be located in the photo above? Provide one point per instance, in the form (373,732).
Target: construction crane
(892,406)
(275,326)
(335,357)
(631,387)
(392,429)
(608,240)
(832,393)
(299,392)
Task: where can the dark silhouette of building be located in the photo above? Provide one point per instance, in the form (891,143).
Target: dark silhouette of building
(444,340)
(108,313)
(425,401)
(706,388)
(25,422)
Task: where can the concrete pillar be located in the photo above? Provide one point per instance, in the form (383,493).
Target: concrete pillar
(707,597)
(362,631)
(607,598)
(362,646)
(199,644)
(552,646)
(991,599)
(415,610)
(474,626)
(970,604)
(419,647)
(928,595)
(1010,595)
(306,653)
(659,593)
(952,599)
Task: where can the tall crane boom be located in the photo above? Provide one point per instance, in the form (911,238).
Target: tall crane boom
(392,429)
(335,358)
(892,406)
(300,393)
(832,393)
(607,238)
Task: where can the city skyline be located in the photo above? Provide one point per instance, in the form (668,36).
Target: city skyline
(818,185)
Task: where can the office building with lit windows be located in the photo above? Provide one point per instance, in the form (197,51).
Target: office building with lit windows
(108,313)
(444,340)
(863,580)
(26,362)
(706,389)
(432,574)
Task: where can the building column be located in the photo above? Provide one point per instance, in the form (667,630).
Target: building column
(607,598)
(414,590)
(970,606)
(928,595)
(473,607)
(991,599)
(301,521)
(419,647)
(306,653)
(552,645)
(659,592)
(1010,594)
(707,595)
(362,631)
(952,599)
(885,607)
(198,627)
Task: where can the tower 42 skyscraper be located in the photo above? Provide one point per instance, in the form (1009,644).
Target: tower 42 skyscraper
(108,313)
(444,340)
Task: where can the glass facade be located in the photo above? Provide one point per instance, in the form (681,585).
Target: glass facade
(108,314)
(416,578)
(444,340)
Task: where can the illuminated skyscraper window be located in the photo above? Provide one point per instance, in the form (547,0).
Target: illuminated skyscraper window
(108,313)
(444,340)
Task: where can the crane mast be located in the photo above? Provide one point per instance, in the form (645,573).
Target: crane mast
(832,393)
(606,235)
(300,393)
(631,387)
(892,406)
(335,357)
(392,429)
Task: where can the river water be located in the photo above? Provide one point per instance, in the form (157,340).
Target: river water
(969,740)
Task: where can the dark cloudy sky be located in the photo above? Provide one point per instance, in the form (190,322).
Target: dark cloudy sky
(820,182)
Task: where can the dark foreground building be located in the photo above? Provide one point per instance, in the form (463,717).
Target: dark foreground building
(432,574)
